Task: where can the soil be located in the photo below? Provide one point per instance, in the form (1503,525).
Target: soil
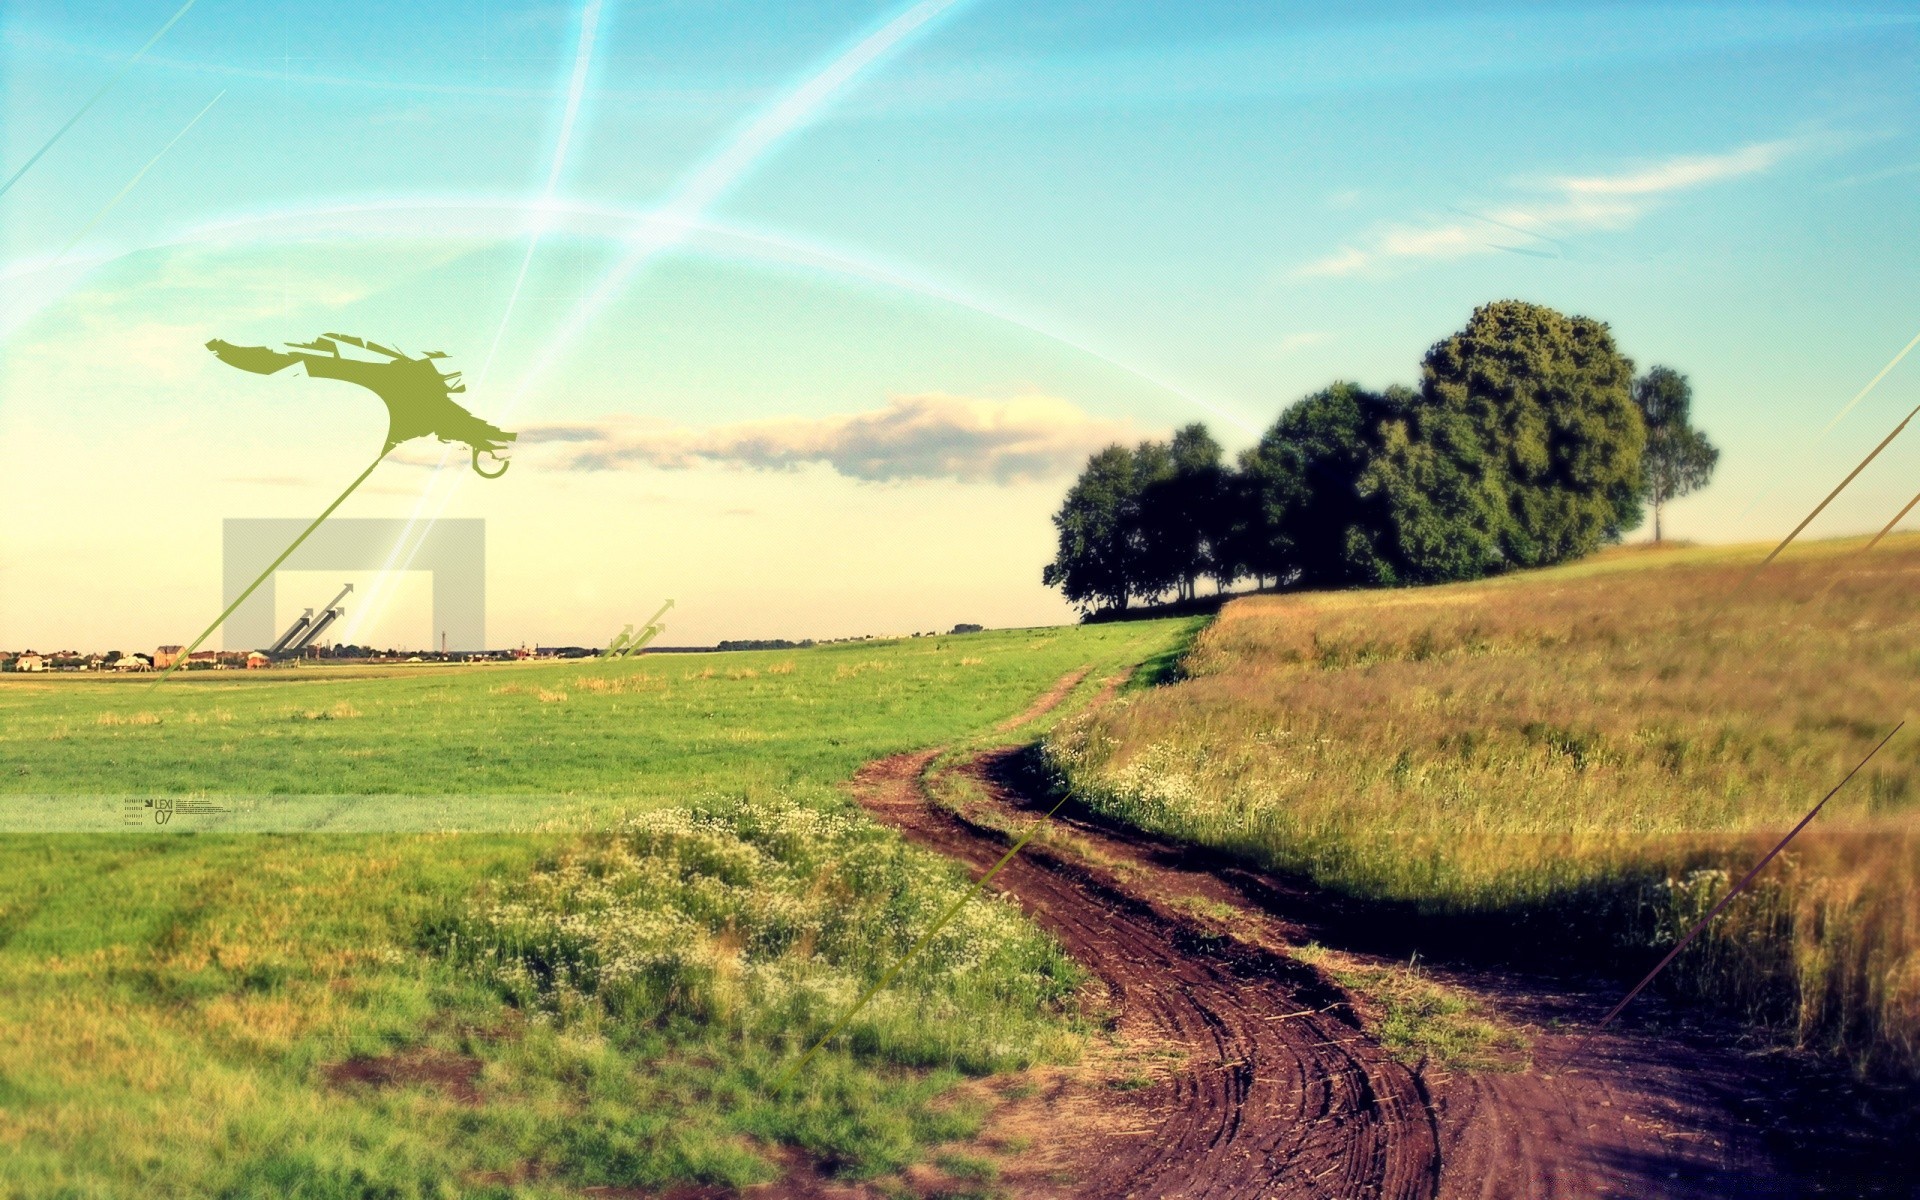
(1230,1068)
(1222,1097)
(1234,1070)
(458,1076)
(1047,702)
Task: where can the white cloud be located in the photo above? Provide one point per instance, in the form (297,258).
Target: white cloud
(1676,174)
(914,437)
(1567,204)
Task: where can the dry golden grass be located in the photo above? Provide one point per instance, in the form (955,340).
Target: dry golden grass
(1600,742)
(139,718)
(620,685)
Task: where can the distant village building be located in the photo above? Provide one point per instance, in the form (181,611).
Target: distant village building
(257,661)
(166,656)
(30,662)
(134,662)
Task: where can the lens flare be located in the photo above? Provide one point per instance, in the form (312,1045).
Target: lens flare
(706,184)
(374,599)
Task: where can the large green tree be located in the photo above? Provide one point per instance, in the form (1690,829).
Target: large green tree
(1142,521)
(1153,565)
(1183,509)
(1521,449)
(1678,459)
(1097,561)
(1305,521)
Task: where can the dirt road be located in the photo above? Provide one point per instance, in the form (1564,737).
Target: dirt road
(1237,1071)
(1249,1098)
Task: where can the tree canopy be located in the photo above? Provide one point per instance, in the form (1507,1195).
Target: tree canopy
(1522,448)
(1307,523)
(1528,442)
(1098,561)
(1182,504)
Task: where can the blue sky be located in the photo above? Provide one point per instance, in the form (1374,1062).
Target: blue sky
(1072,221)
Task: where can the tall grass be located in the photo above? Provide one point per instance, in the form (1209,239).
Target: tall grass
(1589,753)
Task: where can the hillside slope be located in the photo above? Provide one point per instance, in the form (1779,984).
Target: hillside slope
(1569,765)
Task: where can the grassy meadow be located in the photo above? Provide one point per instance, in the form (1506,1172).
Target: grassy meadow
(1579,760)
(596,993)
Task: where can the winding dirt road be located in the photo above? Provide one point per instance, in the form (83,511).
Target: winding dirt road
(1238,1071)
(1270,1080)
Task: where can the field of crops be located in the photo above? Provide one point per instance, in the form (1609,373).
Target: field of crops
(664,896)
(1576,760)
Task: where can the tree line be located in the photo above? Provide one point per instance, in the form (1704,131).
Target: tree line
(1529,441)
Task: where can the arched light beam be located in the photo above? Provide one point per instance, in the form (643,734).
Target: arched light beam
(722,172)
(374,599)
(612,221)
(576,89)
(696,192)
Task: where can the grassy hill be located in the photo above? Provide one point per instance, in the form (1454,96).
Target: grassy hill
(660,897)
(1571,764)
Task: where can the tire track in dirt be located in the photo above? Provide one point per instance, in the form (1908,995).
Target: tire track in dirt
(1050,699)
(1611,1114)
(1277,1089)
(1273,1088)
(1677,1102)
(1273,1091)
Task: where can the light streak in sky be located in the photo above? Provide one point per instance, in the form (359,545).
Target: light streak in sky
(1820,437)
(714,236)
(708,182)
(374,598)
(722,172)
(1871,384)
(138,175)
(95,98)
(576,88)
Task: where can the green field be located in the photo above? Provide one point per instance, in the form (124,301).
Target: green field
(660,895)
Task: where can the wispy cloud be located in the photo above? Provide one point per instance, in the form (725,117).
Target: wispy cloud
(914,437)
(1565,204)
(1676,174)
